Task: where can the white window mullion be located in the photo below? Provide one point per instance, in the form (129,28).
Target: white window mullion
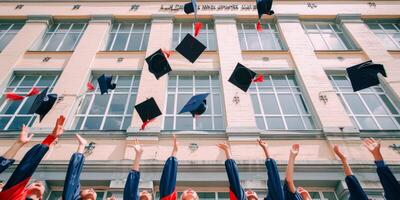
(65,35)
(278,102)
(115,37)
(176,101)
(244,36)
(6,31)
(258,95)
(129,37)
(51,37)
(193,93)
(143,34)
(79,36)
(108,106)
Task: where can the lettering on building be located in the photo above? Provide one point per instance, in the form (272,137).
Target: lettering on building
(210,7)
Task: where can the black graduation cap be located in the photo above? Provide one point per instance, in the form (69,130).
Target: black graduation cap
(190,48)
(105,83)
(148,110)
(190,7)
(43,103)
(197,105)
(365,75)
(264,7)
(158,64)
(242,77)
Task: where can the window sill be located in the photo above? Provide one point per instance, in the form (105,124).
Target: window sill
(265,51)
(305,134)
(396,51)
(380,133)
(352,51)
(121,52)
(47,52)
(199,133)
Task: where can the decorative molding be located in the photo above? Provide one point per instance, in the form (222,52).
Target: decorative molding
(225,18)
(47,19)
(162,18)
(348,18)
(287,18)
(101,19)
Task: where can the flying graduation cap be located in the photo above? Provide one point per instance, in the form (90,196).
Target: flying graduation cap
(365,75)
(158,64)
(197,105)
(43,103)
(263,7)
(148,110)
(242,77)
(189,8)
(190,48)
(105,84)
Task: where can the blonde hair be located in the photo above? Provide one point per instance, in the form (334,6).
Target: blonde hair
(196,196)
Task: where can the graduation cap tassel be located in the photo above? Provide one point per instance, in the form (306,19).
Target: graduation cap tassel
(145,124)
(34,91)
(259,78)
(259,28)
(89,86)
(14,97)
(197,27)
(167,53)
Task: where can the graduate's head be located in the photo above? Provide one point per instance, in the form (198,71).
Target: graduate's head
(88,194)
(251,195)
(35,189)
(304,193)
(145,195)
(189,194)
(1,185)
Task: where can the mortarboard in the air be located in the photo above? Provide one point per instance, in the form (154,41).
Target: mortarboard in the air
(365,75)
(43,103)
(190,7)
(190,48)
(242,77)
(197,105)
(105,83)
(148,110)
(263,7)
(158,64)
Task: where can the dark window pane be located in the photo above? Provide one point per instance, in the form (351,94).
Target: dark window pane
(3,122)
(118,104)
(93,123)
(112,123)
(17,123)
(99,104)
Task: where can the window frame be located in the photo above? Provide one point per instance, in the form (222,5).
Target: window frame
(9,30)
(242,31)
(384,32)
(144,32)
(205,29)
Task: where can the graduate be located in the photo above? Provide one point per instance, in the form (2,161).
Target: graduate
(168,179)
(72,185)
(355,189)
(7,159)
(15,188)
(291,193)
(131,190)
(389,183)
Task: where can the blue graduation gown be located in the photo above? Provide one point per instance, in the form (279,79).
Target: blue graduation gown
(5,163)
(389,183)
(236,192)
(289,195)
(168,179)
(131,190)
(15,186)
(355,189)
(72,185)
(275,190)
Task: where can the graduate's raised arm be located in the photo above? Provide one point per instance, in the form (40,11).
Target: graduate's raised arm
(389,183)
(290,190)
(15,186)
(131,190)
(72,184)
(275,190)
(355,189)
(8,157)
(236,192)
(168,177)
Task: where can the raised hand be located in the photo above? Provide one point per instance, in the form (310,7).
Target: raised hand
(226,148)
(264,146)
(338,152)
(137,147)
(373,146)
(175,148)
(24,136)
(59,127)
(295,150)
(82,143)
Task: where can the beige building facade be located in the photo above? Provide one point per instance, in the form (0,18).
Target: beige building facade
(306,97)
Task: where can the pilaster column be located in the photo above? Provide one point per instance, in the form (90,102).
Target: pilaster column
(331,114)
(34,27)
(374,49)
(239,117)
(160,37)
(76,73)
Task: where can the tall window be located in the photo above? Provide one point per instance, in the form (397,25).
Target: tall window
(389,33)
(13,114)
(111,111)
(279,104)
(327,36)
(129,36)
(8,32)
(369,109)
(62,37)
(324,195)
(180,90)
(251,39)
(206,35)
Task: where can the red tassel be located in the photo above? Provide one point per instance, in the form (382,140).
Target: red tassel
(146,123)
(259,78)
(167,52)
(197,27)
(14,97)
(259,28)
(34,91)
(89,86)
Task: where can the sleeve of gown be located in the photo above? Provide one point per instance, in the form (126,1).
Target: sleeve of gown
(5,163)
(168,179)
(131,190)
(236,192)
(275,190)
(389,183)
(355,189)
(72,183)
